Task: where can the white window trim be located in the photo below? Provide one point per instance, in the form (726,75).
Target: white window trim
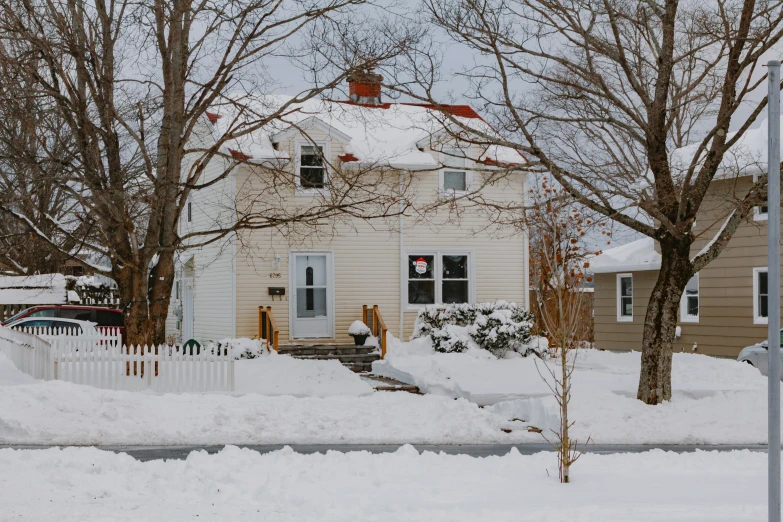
(757,215)
(624,318)
(756,318)
(437,271)
(684,316)
(441,176)
(327,152)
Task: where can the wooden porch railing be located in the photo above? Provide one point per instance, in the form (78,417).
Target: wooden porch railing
(372,318)
(267,327)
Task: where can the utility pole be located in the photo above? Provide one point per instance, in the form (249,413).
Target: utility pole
(773,282)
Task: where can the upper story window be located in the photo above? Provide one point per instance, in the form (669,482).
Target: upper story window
(441,277)
(760,296)
(312,168)
(624,297)
(454,177)
(689,306)
(190,212)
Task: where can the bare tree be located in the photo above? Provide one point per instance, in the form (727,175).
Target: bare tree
(130,83)
(559,274)
(599,93)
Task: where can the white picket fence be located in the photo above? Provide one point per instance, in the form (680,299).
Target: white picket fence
(29,353)
(104,362)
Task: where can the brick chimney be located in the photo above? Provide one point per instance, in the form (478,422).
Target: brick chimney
(364,87)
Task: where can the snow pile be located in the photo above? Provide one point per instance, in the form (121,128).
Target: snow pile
(497,327)
(57,412)
(283,375)
(10,374)
(33,289)
(636,255)
(76,484)
(358,328)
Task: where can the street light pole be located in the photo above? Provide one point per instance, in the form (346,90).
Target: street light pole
(773,284)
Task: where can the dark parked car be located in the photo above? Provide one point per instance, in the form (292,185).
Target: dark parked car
(102,317)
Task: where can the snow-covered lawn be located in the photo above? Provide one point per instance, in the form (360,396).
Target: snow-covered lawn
(715,401)
(78,484)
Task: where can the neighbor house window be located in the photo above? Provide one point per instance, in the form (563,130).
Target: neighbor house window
(690,301)
(455,174)
(760,212)
(624,297)
(312,171)
(760,295)
(189,211)
(438,278)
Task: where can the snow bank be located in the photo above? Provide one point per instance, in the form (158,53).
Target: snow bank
(283,375)
(76,484)
(10,374)
(715,401)
(57,412)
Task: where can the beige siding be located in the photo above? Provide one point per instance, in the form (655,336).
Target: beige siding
(213,265)
(725,323)
(368,260)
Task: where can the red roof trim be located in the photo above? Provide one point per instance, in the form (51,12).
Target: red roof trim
(241,156)
(346,158)
(490,161)
(213,117)
(460,111)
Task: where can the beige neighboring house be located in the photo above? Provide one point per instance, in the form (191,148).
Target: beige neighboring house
(317,285)
(724,307)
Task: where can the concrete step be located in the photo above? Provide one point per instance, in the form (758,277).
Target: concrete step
(388,384)
(359,367)
(325,349)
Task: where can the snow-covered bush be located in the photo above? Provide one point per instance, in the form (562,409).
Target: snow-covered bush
(359,328)
(496,326)
(242,348)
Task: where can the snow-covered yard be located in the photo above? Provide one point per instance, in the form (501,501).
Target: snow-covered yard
(282,400)
(78,484)
(716,401)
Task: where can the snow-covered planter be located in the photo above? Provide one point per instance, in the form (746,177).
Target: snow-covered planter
(360,332)
(497,327)
(242,348)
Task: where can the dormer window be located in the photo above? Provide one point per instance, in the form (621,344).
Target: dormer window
(312,170)
(454,177)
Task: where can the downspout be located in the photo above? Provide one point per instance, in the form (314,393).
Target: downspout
(402,253)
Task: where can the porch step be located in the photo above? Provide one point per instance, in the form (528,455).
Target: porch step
(388,384)
(356,358)
(325,349)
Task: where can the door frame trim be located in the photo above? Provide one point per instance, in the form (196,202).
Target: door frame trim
(329,291)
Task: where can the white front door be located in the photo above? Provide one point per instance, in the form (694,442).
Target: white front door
(311,295)
(187,309)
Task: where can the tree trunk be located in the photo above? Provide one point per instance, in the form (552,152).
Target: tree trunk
(160,285)
(660,322)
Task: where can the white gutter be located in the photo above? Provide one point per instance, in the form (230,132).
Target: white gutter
(626,268)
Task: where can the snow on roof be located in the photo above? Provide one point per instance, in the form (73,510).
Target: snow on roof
(388,134)
(637,255)
(32,290)
(745,158)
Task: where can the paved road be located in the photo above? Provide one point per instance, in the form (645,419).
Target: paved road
(145,453)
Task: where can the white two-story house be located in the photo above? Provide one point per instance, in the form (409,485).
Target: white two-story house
(317,276)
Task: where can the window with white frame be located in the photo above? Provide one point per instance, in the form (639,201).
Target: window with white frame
(312,168)
(624,297)
(690,301)
(455,173)
(760,295)
(760,212)
(441,277)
